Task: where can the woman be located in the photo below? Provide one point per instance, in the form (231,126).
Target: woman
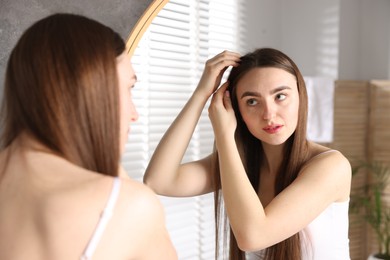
(285,197)
(66,113)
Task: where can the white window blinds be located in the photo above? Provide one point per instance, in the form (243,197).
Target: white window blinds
(168,62)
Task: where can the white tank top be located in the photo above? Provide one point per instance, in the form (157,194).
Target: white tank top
(326,237)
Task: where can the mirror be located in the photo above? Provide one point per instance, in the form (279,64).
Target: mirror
(333,38)
(143,23)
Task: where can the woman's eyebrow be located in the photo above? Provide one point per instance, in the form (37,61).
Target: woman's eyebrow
(257,94)
(275,90)
(250,94)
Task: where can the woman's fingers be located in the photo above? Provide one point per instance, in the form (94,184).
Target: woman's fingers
(214,70)
(226,55)
(223,59)
(221,112)
(226,100)
(219,95)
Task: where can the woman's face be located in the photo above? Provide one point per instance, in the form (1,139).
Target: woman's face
(268,100)
(128,112)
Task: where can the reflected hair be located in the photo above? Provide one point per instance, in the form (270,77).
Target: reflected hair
(252,155)
(61,88)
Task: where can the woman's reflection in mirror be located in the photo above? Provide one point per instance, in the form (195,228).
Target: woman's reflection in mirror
(285,197)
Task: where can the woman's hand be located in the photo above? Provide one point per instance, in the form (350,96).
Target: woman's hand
(213,71)
(221,113)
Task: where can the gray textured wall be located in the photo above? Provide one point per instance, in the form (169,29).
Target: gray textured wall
(18,15)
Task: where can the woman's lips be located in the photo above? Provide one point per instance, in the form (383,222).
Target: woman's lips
(272,129)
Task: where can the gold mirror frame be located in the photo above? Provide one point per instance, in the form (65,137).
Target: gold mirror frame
(142,24)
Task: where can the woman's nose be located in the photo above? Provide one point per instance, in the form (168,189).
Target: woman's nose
(133,113)
(268,112)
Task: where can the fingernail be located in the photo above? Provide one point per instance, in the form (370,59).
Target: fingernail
(227,93)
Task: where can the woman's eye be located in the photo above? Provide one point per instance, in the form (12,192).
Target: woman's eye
(251,102)
(281,97)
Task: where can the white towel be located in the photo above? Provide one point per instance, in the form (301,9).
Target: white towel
(320,91)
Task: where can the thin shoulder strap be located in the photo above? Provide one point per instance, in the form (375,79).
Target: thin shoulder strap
(104,218)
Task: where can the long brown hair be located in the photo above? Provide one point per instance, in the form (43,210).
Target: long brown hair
(251,152)
(61,88)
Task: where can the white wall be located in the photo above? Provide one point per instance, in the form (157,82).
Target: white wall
(262,27)
(306,30)
(344,39)
(310,35)
(365,39)
(349,55)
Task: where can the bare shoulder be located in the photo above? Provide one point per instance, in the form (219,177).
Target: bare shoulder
(140,204)
(323,156)
(329,166)
(331,158)
(142,221)
(138,198)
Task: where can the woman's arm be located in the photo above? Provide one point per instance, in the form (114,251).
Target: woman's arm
(165,174)
(324,180)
